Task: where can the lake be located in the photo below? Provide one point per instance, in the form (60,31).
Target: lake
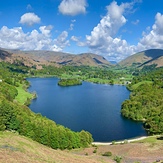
(91,107)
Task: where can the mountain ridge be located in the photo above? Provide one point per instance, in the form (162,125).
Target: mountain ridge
(146,57)
(39,58)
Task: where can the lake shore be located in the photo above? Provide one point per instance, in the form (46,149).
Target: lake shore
(121,141)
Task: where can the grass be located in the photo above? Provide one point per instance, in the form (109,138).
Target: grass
(23,95)
(15,148)
(135,86)
(151,140)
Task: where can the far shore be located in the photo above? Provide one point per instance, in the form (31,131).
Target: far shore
(121,141)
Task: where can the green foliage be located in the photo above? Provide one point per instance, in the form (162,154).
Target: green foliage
(69,82)
(95,151)
(7,115)
(113,142)
(85,138)
(118,159)
(146,102)
(20,118)
(107,154)
(105,75)
(9,91)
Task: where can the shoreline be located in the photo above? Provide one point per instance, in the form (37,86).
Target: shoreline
(121,141)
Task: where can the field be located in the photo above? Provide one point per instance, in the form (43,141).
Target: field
(23,95)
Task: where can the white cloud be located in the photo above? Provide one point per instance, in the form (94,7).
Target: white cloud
(136,22)
(16,38)
(72,24)
(103,39)
(62,41)
(46,30)
(153,38)
(73,7)
(74,38)
(71,27)
(29,19)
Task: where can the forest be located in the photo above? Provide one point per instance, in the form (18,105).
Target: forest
(146,103)
(69,82)
(19,118)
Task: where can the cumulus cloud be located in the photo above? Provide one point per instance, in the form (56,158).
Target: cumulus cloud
(29,19)
(16,38)
(103,39)
(153,38)
(72,7)
(62,41)
(46,30)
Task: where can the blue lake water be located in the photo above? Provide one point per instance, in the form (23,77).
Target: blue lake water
(92,107)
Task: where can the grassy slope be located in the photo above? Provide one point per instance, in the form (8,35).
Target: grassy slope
(19,149)
(135,86)
(149,57)
(23,95)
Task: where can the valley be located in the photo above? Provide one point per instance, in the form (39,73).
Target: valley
(141,73)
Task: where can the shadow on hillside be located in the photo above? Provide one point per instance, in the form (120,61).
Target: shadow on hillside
(160,138)
(4,54)
(154,53)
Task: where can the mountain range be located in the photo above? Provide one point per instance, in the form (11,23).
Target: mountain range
(39,58)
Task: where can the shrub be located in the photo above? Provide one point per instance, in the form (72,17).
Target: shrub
(107,154)
(86,154)
(113,142)
(118,159)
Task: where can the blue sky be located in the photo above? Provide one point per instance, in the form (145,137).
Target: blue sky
(113,29)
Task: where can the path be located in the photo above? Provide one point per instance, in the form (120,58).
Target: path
(120,142)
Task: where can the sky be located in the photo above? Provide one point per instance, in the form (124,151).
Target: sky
(113,29)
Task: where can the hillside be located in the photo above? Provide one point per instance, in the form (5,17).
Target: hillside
(15,148)
(19,149)
(147,57)
(39,58)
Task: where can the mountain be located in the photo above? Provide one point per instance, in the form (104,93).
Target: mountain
(147,57)
(39,57)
